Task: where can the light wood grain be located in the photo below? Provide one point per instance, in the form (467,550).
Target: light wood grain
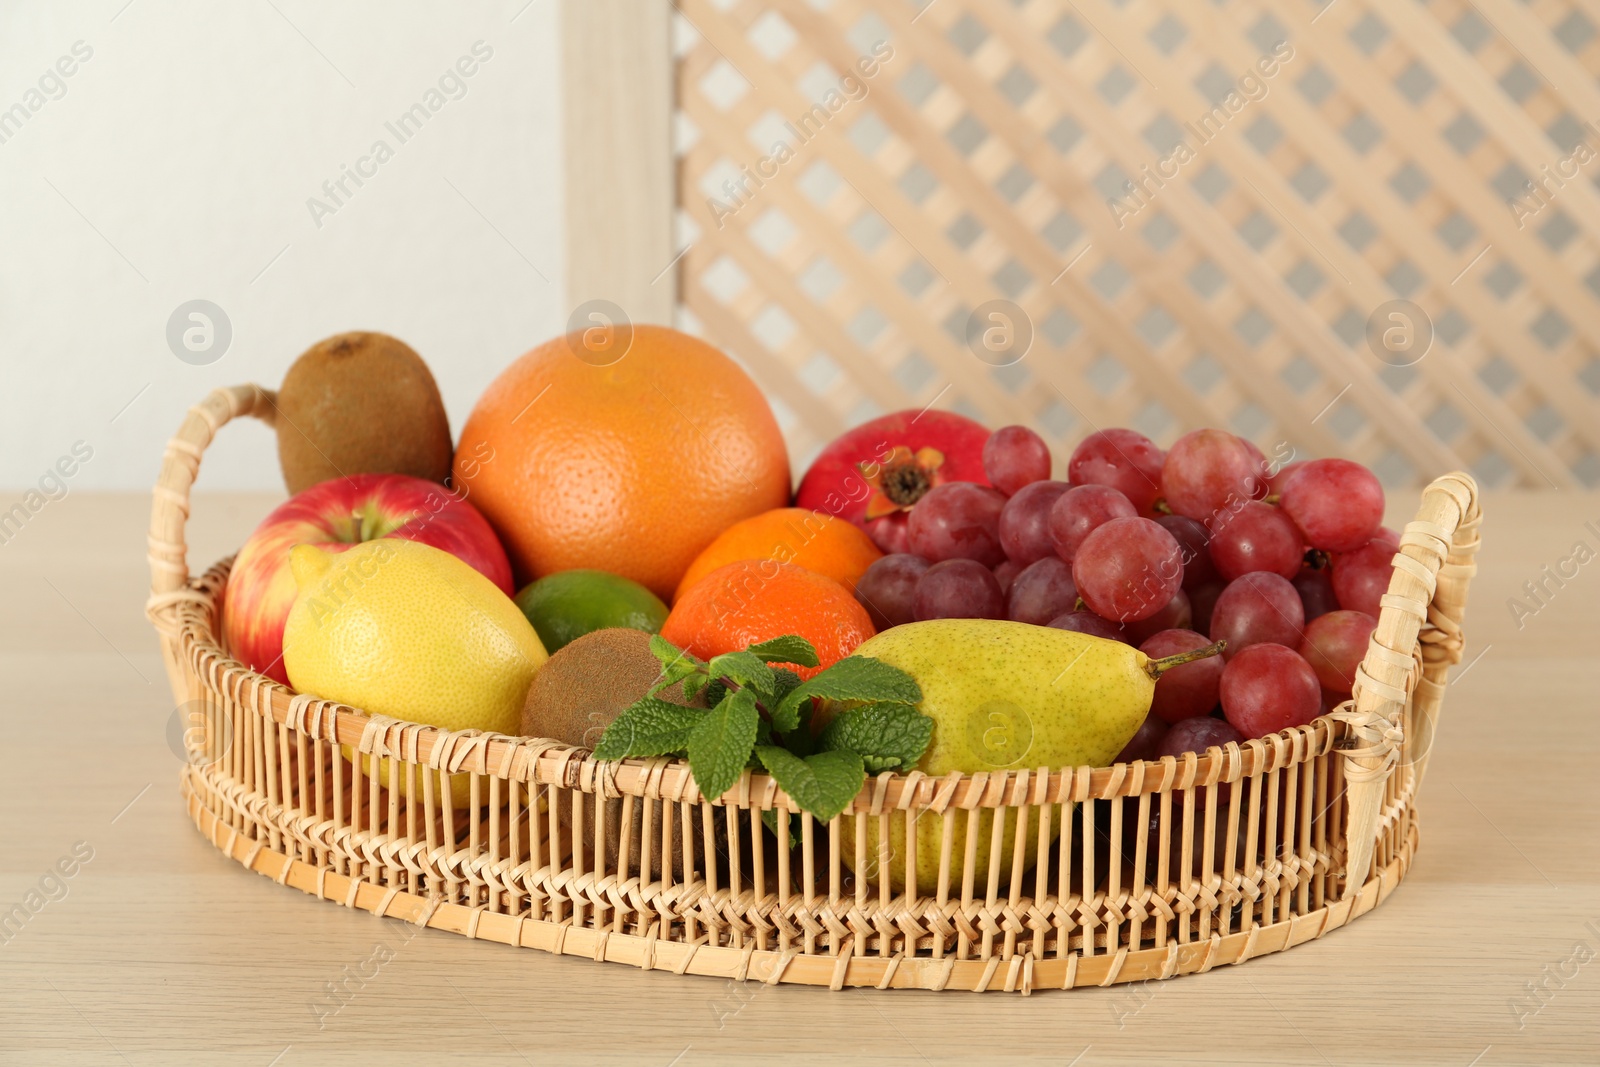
(165,952)
(617,152)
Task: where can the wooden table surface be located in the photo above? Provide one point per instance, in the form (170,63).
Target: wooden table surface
(157,950)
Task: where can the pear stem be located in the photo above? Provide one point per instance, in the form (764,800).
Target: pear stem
(1157,667)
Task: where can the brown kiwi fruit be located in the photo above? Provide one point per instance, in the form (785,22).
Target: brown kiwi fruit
(588,683)
(578,693)
(361,403)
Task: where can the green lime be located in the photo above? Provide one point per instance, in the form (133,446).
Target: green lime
(568,604)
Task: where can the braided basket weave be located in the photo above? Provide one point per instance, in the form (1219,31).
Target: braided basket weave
(1313,827)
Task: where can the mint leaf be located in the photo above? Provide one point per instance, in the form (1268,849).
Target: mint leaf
(790,648)
(693,684)
(743,668)
(786,681)
(721,743)
(683,671)
(649,727)
(823,784)
(852,678)
(670,654)
(886,736)
(801,741)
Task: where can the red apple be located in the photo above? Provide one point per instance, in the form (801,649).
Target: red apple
(874,475)
(335,515)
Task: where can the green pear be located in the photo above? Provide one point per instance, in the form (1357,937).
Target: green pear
(1006,696)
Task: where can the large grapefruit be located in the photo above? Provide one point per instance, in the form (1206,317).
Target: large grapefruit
(631,467)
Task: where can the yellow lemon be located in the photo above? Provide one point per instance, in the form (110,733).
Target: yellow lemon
(409,631)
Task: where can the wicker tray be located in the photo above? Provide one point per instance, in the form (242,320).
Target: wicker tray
(1316,826)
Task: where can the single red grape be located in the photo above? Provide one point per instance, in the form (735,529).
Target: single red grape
(958,520)
(1208,471)
(888,589)
(1197,735)
(1042,591)
(1087,622)
(1202,602)
(1126,461)
(1315,586)
(1176,615)
(890,533)
(1263,469)
(1194,541)
(1077,512)
(1257,537)
(1025,522)
(1127,569)
(1279,478)
(1337,503)
(1005,573)
(1015,456)
(958,589)
(1187,690)
(1334,644)
(1146,741)
(1360,578)
(1267,688)
(1258,607)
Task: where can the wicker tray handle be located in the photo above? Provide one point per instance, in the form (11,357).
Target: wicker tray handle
(1432,569)
(169,509)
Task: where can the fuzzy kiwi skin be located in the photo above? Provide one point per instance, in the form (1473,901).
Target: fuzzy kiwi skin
(578,693)
(361,403)
(589,682)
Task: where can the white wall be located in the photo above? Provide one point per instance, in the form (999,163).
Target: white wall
(178,164)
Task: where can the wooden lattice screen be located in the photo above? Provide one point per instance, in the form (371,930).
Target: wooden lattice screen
(986,156)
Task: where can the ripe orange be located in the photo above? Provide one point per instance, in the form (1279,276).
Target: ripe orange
(630,465)
(814,540)
(741,603)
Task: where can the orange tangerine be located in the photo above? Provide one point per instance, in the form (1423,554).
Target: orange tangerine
(747,601)
(815,540)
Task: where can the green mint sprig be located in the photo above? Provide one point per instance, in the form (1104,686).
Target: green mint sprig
(759,715)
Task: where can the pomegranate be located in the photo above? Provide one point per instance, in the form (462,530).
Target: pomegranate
(874,475)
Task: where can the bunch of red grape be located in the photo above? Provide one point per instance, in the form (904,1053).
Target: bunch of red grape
(1166,551)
